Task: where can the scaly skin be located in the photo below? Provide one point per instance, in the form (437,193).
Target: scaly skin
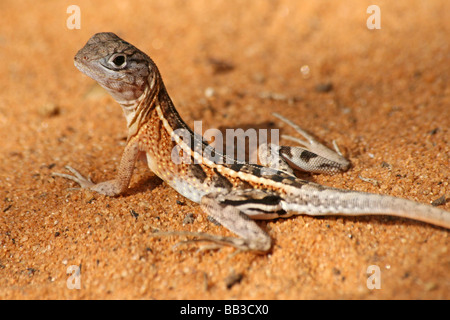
(231,192)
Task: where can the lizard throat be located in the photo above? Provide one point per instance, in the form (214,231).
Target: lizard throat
(137,111)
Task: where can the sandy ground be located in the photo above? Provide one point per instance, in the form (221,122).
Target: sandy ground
(383,95)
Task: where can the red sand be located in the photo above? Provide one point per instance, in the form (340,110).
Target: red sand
(388,110)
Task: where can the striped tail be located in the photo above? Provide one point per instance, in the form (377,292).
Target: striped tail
(317,200)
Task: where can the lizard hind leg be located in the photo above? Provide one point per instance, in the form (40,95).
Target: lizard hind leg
(312,156)
(235,210)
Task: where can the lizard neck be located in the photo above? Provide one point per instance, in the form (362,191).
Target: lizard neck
(138,111)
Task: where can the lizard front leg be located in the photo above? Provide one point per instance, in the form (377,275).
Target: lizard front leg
(112,187)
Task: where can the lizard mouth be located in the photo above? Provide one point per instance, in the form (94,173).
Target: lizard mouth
(80,66)
(77,64)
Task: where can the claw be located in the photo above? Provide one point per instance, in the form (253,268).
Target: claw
(215,241)
(76,177)
(310,138)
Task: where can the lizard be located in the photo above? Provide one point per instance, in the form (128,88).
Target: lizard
(233,193)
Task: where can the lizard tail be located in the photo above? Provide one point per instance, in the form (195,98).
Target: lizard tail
(317,200)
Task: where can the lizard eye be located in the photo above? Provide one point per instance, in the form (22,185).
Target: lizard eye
(118,60)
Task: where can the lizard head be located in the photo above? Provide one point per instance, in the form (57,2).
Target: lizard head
(116,65)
